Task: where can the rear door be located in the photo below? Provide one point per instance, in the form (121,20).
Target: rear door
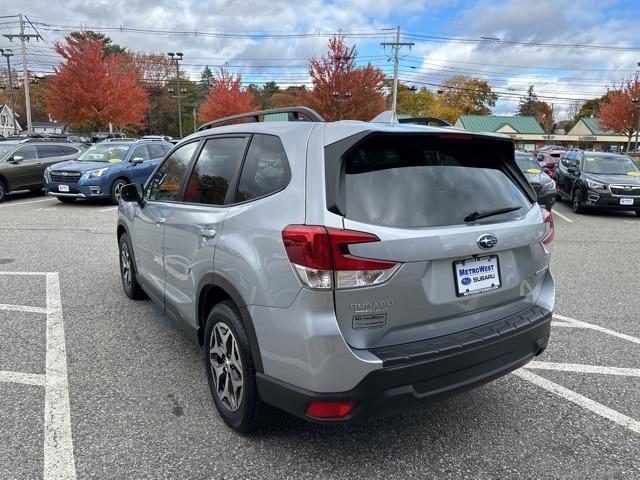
(417,194)
(193,226)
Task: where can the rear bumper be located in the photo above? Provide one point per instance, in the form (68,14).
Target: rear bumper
(417,372)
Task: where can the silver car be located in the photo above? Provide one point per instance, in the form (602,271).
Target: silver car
(342,270)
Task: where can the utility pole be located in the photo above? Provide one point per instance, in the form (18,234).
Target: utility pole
(396,60)
(24,37)
(195,125)
(636,103)
(8,53)
(176,57)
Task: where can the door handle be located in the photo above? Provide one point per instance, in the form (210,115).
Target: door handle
(161,221)
(208,232)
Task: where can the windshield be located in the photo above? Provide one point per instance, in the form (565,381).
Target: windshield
(610,165)
(527,163)
(4,149)
(105,152)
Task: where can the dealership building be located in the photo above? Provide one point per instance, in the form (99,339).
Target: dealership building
(529,134)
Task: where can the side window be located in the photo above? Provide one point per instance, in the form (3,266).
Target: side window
(155,150)
(69,150)
(265,169)
(26,152)
(168,179)
(214,169)
(140,152)
(47,151)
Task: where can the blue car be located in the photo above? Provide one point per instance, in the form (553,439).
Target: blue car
(103,169)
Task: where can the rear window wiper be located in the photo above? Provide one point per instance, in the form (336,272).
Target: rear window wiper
(490,213)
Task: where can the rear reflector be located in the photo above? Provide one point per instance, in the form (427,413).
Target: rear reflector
(320,254)
(551,231)
(330,410)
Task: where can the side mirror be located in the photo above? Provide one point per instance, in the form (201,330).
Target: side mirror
(17,159)
(132,192)
(137,160)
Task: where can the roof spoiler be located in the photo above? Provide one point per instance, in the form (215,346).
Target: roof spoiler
(294,114)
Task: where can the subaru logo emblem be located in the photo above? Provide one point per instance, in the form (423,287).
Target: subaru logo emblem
(64,174)
(628,187)
(487,241)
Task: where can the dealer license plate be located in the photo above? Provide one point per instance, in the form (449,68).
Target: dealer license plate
(476,275)
(626,201)
(63,188)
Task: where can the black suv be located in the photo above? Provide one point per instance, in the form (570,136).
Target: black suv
(599,180)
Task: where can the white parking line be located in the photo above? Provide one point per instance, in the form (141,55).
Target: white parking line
(22,308)
(580,400)
(598,328)
(579,368)
(24,378)
(565,325)
(564,217)
(24,203)
(58,447)
(108,209)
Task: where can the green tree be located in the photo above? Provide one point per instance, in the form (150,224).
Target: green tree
(470,96)
(206,79)
(108,47)
(530,106)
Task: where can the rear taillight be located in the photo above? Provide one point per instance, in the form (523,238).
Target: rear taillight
(321,257)
(548,221)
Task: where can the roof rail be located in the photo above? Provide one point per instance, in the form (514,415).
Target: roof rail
(299,114)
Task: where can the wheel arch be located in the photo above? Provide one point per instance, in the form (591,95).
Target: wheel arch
(4,180)
(213,289)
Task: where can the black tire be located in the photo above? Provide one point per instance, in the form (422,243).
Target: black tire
(130,284)
(638,213)
(249,409)
(577,201)
(38,190)
(3,191)
(116,186)
(67,199)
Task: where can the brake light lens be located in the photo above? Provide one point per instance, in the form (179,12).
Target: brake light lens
(551,231)
(322,260)
(330,410)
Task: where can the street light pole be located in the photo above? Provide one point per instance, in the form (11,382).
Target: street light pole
(7,53)
(636,102)
(176,57)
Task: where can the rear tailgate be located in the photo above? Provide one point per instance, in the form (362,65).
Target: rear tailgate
(413,192)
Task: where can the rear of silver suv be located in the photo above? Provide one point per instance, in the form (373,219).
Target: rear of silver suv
(383,265)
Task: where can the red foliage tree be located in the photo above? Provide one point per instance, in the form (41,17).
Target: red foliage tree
(226,97)
(89,91)
(342,90)
(618,112)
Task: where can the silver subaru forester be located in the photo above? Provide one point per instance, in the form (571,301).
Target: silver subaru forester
(343,270)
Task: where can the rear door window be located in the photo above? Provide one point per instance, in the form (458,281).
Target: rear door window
(155,150)
(265,169)
(425,181)
(48,151)
(214,169)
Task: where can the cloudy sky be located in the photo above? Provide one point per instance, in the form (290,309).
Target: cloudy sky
(570,50)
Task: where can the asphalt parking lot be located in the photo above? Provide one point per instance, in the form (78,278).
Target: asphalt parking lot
(93,385)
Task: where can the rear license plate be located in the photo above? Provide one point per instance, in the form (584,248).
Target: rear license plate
(626,201)
(63,188)
(476,275)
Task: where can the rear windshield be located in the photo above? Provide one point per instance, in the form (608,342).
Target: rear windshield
(425,181)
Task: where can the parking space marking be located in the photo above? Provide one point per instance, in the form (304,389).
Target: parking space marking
(598,328)
(565,325)
(24,378)
(579,368)
(30,274)
(22,308)
(580,400)
(564,217)
(108,209)
(24,203)
(59,463)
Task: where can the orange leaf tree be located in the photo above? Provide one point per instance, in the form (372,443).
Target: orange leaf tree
(618,111)
(226,97)
(89,91)
(342,90)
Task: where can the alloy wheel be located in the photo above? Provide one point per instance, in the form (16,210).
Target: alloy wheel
(226,366)
(125,261)
(117,190)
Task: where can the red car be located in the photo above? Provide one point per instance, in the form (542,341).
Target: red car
(549,159)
